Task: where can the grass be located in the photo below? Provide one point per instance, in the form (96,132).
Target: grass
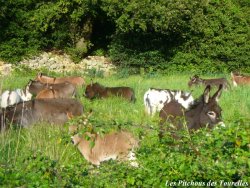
(43,155)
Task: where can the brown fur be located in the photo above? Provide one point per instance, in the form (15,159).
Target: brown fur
(67,90)
(75,80)
(113,145)
(196,80)
(34,87)
(204,112)
(98,91)
(239,79)
(37,110)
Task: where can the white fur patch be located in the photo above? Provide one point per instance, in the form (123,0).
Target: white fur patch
(154,99)
(12,97)
(24,97)
(108,157)
(234,83)
(9,98)
(131,156)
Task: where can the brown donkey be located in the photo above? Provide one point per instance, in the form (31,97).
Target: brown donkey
(239,79)
(98,91)
(204,112)
(62,90)
(67,90)
(196,80)
(75,80)
(116,145)
(54,111)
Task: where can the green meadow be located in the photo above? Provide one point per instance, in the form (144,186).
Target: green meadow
(43,155)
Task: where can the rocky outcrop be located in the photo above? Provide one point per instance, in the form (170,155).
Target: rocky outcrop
(63,63)
(5,68)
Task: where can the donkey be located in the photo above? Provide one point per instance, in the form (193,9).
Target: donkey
(154,99)
(36,87)
(239,79)
(116,145)
(98,91)
(9,98)
(75,80)
(204,112)
(27,113)
(196,80)
(67,90)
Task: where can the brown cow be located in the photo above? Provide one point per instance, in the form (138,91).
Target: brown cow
(239,79)
(28,113)
(117,145)
(204,112)
(98,91)
(75,80)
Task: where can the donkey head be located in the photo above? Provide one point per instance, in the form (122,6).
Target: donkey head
(93,90)
(206,112)
(194,80)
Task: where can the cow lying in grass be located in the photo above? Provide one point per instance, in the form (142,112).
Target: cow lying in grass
(117,145)
(154,99)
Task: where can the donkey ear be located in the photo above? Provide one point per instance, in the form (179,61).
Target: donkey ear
(217,94)
(29,83)
(206,93)
(39,74)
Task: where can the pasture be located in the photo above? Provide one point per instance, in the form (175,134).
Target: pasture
(43,156)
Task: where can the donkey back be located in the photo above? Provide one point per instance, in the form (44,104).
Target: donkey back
(98,91)
(196,80)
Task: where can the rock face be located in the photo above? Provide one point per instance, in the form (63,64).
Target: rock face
(63,63)
(5,69)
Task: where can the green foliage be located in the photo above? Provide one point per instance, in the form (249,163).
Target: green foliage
(186,35)
(169,35)
(94,73)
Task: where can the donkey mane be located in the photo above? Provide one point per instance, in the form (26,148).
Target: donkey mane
(99,86)
(196,103)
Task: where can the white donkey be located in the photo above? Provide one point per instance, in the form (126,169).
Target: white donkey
(154,99)
(9,98)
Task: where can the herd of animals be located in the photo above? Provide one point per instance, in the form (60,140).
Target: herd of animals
(52,100)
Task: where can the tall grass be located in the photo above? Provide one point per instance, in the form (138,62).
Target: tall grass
(159,162)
